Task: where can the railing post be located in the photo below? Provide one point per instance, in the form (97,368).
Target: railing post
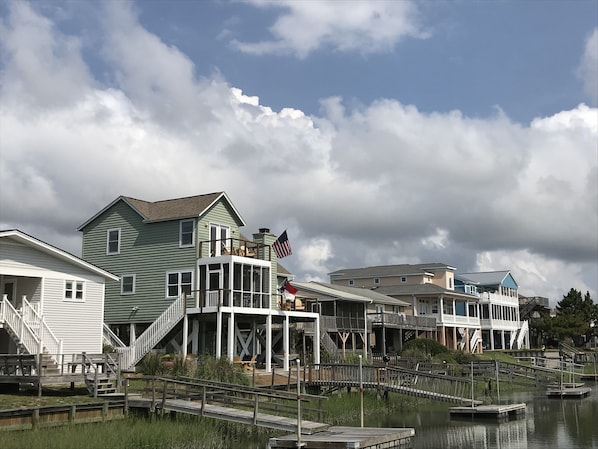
(299,444)
(361,388)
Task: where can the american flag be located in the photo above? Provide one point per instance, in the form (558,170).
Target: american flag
(282,247)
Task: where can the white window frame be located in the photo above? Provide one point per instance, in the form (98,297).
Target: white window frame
(122,284)
(186,245)
(403,279)
(219,236)
(72,286)
(376,281)
(351,282)
(179,284)
(108,252)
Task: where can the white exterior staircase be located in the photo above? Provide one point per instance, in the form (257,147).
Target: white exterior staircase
(131,355)
(28,329)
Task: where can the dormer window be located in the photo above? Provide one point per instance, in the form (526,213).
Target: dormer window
(186,233)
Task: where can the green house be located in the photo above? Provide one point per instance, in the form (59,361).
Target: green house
(190,281)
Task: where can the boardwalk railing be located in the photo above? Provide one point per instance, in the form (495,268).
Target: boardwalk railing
(411,382)
(258,406)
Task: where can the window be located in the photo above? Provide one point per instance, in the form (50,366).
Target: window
(351,282)
(127,284)
(186,233)
(73,290)
(377,281)
(113,241)
(403,279)
(178,282)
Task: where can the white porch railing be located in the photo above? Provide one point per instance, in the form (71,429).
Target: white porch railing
(29,327)
(129,356)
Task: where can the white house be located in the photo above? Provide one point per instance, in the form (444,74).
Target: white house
(52,301)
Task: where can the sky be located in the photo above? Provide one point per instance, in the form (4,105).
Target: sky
(375,132)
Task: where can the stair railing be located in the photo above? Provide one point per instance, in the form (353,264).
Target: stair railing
(523,331)
(111,338)
(24,334)
(152,335)
(38,324)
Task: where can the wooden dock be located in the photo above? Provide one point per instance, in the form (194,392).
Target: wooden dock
(568,390)
(340,437)
(498,412)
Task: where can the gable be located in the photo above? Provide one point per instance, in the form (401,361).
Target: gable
(23,255)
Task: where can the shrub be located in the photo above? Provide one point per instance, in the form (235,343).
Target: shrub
(423,348)
(220,370)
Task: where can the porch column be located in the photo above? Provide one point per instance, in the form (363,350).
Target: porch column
(491,339)
(195,338)
(218,334)
(502,339)
(442,338)
(467,348)
(231,336)
(269,342)
(285,342)
(454,338)
(366,343)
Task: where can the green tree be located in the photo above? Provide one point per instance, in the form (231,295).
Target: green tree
(575,315)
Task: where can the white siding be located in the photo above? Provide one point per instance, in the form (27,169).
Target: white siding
(77,323)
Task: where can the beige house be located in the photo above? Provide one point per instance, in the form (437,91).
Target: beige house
(429,289)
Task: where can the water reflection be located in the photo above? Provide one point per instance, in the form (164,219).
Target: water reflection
(548,423)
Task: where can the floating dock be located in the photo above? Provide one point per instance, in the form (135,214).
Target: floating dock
(568,390)
(340,437)
(498,412)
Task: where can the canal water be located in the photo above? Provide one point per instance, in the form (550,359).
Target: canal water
(547,424)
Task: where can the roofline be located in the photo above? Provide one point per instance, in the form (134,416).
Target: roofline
(119,198)
(146,220)
(58,253)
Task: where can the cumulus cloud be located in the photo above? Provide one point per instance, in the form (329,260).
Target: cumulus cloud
(343,25)
(363,185)
(588,67)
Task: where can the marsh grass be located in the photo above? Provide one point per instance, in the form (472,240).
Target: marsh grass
(179,432)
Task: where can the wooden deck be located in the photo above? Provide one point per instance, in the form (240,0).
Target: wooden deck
(571,390)
(499,412)
(339,437)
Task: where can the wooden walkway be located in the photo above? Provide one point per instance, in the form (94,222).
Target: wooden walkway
(250,417)
(256,406)
(437,387)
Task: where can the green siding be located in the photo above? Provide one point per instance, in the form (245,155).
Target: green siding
(147,250)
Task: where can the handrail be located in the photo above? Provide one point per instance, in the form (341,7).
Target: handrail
(153,334)
(111,338)
(523,331)
(21,329)
(47,338)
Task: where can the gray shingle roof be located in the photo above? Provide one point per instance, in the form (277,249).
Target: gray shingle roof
(173,209)
(421,290)
(389,270)
(484,277)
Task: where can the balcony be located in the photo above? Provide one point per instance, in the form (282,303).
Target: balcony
(402,321)
(234,247)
